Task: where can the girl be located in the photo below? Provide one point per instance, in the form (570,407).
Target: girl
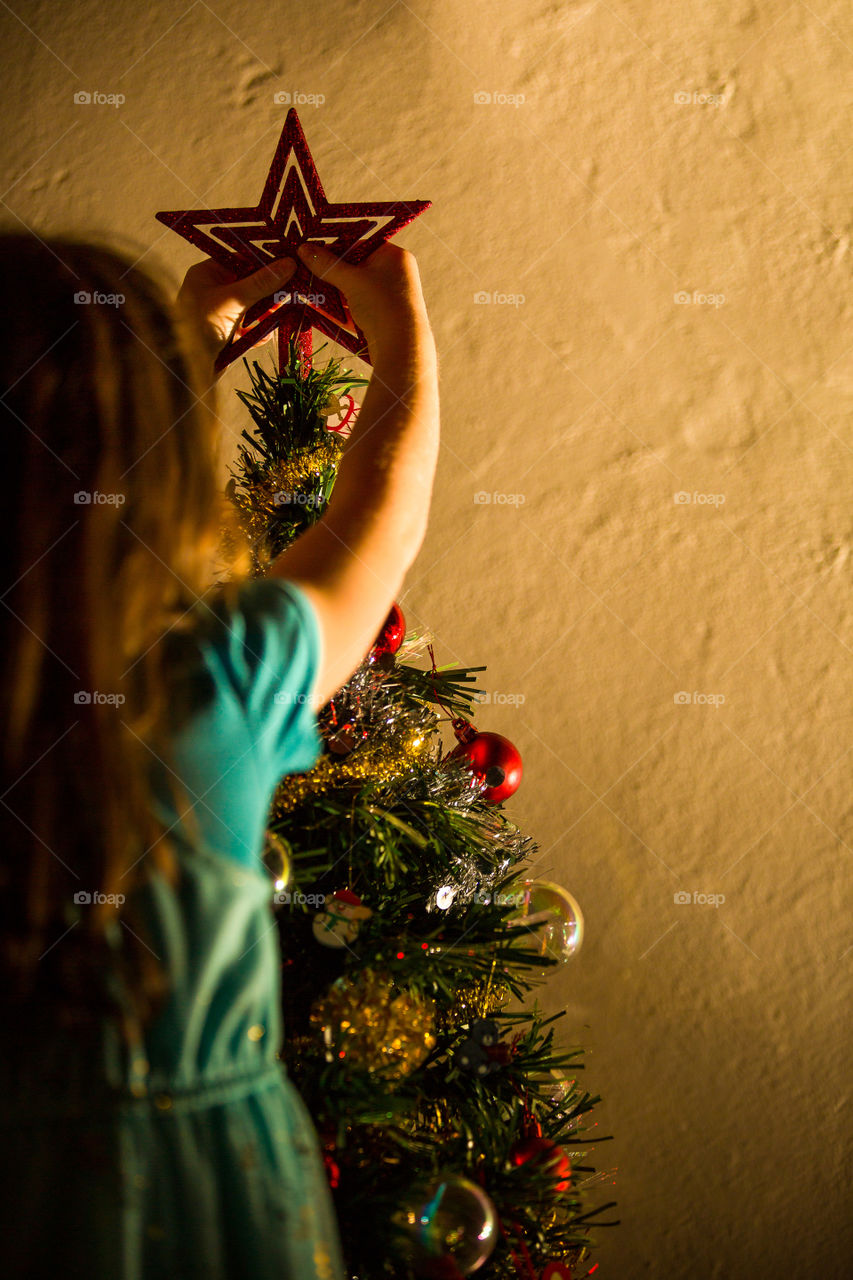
(148,1128)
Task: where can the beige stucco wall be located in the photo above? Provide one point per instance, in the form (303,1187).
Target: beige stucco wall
(716,1031)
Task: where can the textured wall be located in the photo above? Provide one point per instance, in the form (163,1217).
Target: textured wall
(633,151)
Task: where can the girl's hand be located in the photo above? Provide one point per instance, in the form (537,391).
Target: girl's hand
(383,294)
(213,302)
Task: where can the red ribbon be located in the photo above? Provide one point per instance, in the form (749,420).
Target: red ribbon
(523,1267)
(445,708)
(350,411)
(434,690)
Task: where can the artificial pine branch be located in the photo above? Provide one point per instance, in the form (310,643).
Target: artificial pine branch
(287,466)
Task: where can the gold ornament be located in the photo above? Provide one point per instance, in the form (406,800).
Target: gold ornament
(365,1025)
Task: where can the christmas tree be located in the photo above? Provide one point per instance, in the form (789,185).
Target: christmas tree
(456,1133)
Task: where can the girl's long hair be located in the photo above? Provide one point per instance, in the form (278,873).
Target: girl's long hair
(113,519)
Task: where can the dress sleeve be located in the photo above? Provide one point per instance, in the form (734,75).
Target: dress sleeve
(270,651)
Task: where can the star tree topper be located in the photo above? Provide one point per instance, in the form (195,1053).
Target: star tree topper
(293,209)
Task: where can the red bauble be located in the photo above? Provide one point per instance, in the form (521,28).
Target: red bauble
(333,1172)
(543,1151)
(391,635)
(492,757)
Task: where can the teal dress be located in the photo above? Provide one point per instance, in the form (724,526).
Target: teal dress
(193,1156)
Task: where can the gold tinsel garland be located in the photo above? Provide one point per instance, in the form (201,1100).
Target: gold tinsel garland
(383,760)
(365,1025)
(257,508)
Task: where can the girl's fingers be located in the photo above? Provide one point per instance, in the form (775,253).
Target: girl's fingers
(256,286)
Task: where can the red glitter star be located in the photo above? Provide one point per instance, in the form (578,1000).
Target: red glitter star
(293,209)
